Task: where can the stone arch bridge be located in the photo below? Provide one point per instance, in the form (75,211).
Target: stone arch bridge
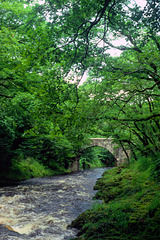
(108,143)
(119,153)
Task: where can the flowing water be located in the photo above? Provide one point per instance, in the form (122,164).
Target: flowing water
(42,208)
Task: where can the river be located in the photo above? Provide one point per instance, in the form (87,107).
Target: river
(42,208)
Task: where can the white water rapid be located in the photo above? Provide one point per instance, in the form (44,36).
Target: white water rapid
(42,208)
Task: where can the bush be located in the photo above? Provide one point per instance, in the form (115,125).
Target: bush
(27,168)
(155,171)
(6,140)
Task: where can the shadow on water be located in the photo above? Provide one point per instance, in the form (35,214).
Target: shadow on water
(42,208)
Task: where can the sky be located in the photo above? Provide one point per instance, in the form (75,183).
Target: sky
(115,52)
(139,2)
(112,51)
(121,41)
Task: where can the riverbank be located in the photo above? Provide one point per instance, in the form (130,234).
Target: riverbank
(130,208)
(23,169)
(29,168)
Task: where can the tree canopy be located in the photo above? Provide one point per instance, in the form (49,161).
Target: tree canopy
(45,48)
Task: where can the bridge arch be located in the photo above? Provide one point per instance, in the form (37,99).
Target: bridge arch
(108,143)
(121,155)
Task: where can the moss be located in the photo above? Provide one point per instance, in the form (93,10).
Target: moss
(130,208)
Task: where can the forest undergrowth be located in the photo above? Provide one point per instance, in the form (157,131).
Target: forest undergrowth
(130,207)
(23,169)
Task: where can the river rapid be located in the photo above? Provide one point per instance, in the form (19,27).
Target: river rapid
(42,208)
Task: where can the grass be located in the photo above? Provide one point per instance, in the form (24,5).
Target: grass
(23,169)
(130,208)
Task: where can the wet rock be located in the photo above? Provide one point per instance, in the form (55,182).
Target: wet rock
(8,230)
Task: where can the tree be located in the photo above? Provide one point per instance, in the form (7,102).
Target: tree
(127,87)
(38,105)
(45,46)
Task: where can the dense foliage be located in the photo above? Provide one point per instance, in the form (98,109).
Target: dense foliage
(96,157)
(45,114)
(130,207)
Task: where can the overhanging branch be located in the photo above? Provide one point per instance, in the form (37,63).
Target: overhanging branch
(131,120)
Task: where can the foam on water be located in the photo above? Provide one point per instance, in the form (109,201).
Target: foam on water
(42,208)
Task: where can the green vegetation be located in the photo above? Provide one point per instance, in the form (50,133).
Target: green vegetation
(96,157)
(130,207)
(45,114)
(24,169)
